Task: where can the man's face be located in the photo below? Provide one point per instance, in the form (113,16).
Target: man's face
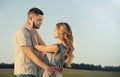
(37,21)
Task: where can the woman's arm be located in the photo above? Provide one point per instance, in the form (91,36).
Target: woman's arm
(47,48)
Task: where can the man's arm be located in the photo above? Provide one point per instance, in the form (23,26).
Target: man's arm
(28,50)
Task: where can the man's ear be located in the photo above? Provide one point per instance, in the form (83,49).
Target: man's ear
(30,20)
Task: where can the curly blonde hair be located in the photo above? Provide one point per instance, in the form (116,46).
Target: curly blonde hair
(66,38)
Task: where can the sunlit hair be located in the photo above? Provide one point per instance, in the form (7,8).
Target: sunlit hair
(66,37)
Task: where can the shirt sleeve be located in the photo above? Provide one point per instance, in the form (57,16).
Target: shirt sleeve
(60,48)
(61,52)
(23,38)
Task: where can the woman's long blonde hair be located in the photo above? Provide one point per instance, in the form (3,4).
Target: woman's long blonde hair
(66,37)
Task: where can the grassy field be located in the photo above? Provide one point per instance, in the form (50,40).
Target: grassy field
(69,73)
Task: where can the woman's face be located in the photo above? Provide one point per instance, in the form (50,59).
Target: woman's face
(56,33)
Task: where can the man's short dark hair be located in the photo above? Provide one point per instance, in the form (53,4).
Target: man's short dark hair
(35,11)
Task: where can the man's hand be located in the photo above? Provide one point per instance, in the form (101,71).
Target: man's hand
(52,71)
(61,70)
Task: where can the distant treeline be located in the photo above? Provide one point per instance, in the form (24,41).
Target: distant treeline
(6,66)
(81,66)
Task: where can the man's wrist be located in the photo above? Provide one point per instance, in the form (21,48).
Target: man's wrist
(46,68)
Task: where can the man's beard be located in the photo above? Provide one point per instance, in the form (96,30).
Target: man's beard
(35,26)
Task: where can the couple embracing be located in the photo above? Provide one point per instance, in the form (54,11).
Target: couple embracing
(33,56)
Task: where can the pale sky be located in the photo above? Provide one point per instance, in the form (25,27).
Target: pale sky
(95,25)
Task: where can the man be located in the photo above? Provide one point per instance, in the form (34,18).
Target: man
(26,57)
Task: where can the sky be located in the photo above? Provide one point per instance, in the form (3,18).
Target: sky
(95,25)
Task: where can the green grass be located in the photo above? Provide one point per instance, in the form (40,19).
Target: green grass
(69,73)
(6,73)
(86,73)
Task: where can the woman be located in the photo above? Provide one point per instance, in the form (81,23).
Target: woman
(60,52)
